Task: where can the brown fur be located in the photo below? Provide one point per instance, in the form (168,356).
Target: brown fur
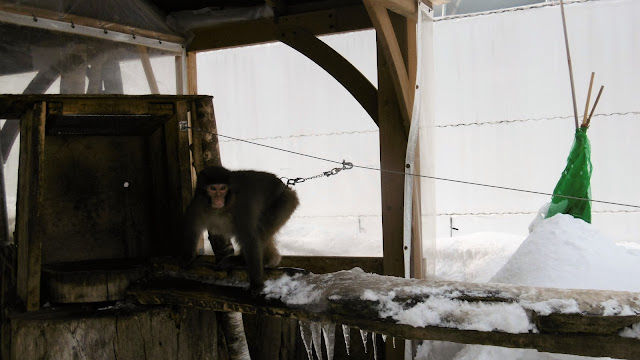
(257,205)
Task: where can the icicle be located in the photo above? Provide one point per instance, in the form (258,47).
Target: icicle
(375,346)
(384,337)
(305,333)
(394,342)
(346,332)
(316,334)
(329,333)
(364,334)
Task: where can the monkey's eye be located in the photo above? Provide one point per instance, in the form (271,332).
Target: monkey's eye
(218,187)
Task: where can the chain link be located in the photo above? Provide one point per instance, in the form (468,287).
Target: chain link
(292,182)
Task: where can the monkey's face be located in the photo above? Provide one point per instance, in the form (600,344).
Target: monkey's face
(217,194)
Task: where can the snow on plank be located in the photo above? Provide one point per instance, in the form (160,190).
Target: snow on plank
(581,322)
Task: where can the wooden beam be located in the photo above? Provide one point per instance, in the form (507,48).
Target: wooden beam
(588,332)
(406,8)
(20,9)
(388,43)
(29,197)
(148,70)
(342,19)
(192,74)
(335,64)
(393,143)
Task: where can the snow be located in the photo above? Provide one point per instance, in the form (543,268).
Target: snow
(560,252)
(564,252)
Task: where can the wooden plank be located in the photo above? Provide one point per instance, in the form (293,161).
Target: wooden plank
(192,74)
(335,64)
(338,20)
(90,281)
(21,9)
(148,70)
(388,43)
(13,106)
(180,76)
(589,332)
(29,197)
(406,8)
(184,156)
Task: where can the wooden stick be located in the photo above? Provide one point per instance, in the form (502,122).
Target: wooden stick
(566,43)
(594,105)
(586,106)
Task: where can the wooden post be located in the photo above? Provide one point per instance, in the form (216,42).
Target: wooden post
(393,143)
(206,149)
(29,196)
(148,70)
(192,73)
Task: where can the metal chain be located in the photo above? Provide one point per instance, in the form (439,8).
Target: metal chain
(292,182)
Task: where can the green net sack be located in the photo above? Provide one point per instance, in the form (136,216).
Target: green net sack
(575,181)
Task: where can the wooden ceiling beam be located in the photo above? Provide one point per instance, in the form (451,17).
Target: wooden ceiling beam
(243,33)
(73,20)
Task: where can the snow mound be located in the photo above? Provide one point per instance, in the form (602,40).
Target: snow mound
(474,258)
(564,252)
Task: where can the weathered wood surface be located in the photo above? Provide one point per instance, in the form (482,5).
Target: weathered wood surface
(591,331)
(28,211)
(113,333)
(90,281)
(13,106)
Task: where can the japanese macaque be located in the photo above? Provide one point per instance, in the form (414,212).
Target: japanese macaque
(248,205)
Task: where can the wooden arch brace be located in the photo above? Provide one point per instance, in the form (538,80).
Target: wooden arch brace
(377,10)
(335,64)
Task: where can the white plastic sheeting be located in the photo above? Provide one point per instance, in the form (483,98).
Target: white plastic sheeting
(504,113)
(491,71)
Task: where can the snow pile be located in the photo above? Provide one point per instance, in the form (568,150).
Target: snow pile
(474,258)
(560,252)
(564,252)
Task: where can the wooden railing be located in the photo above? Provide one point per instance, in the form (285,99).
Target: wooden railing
(581,322)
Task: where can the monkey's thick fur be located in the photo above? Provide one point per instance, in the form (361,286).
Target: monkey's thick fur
(256,206)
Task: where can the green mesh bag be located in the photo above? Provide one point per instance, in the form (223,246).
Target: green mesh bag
(575,181)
